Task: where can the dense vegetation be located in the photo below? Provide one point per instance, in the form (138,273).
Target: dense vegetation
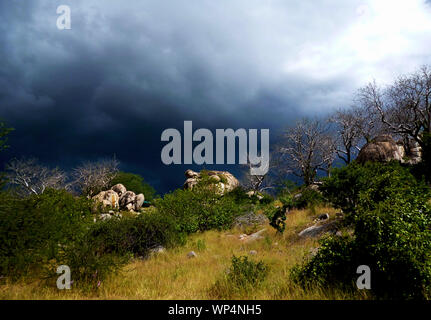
(390,214)
(40,232)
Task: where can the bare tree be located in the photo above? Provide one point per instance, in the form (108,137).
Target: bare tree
(405,106)
(92,177)
(307,148)
(256,183)
(349,132)
(32,178)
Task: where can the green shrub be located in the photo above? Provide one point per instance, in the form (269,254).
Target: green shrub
(40,233)
(375,181)
(135,183)
(307,198)
(244,273)
(88,265)
(35,230)
(134,235)
(199,209)
(394,240)
(391,217)
(241,278)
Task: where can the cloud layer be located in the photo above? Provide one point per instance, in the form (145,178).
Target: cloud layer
(127,71)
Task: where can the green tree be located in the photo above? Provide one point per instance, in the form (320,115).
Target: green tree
(136,183)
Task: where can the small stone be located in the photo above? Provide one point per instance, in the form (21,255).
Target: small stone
(323,216)
(191,254)
(158,249)
(253,252)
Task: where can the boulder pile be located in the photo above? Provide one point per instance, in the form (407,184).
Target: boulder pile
(118,198)
(223,181)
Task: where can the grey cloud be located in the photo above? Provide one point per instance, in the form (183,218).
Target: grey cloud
(127,71)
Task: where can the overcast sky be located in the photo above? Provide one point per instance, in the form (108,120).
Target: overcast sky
(127,70)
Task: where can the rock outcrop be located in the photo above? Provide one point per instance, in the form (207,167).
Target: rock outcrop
(384,149)
(223,181)
(381,149)
(119,198)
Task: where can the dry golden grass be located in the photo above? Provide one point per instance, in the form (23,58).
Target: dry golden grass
(171,275)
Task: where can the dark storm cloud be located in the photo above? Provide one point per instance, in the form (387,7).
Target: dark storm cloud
(128,70)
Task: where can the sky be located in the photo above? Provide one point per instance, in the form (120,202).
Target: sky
(127,70)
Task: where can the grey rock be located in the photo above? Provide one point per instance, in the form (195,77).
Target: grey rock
(317,230)
(191,254)
(158,249)
(108,199)
(120,189)
(253,237)
(105,216)
(139,201)
(127,200)
(323,216)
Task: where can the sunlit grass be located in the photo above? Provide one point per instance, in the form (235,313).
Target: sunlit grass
(172,275)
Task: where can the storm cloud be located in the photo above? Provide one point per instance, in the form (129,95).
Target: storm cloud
(127,70)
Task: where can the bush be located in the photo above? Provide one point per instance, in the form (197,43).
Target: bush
(245,273)
(307,198)
(242,276)
(391,217)
(111,243)
(135,235)
(35,230)
(199,209)
(394,240)
(135,183)
(377,182)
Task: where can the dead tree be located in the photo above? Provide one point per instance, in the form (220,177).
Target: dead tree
(404,106)
(256,183)
(32,178)
(307,148)
(349,129)
(92,177)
